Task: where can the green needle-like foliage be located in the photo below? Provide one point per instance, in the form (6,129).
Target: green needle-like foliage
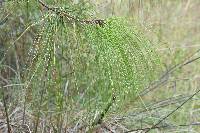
(123,56)
(78,69)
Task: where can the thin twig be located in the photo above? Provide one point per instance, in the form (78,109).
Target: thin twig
(157,105)
(164,126)
(99,22)
(163,80)
(173,111)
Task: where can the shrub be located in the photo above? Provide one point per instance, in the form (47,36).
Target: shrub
(78,68)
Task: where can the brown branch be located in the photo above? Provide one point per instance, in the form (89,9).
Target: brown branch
(99,22)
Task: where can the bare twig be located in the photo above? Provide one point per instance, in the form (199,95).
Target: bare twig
(164,126)
(164,79)
(156,105)
(173,111)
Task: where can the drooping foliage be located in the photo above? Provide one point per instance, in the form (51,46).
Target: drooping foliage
(78,67)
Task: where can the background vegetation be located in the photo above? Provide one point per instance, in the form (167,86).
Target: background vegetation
(116,66)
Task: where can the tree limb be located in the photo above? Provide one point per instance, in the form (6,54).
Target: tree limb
(99,22)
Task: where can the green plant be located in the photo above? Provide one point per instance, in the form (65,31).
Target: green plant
(79,68)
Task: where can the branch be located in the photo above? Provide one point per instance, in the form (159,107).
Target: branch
(172,111)
(99,22)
